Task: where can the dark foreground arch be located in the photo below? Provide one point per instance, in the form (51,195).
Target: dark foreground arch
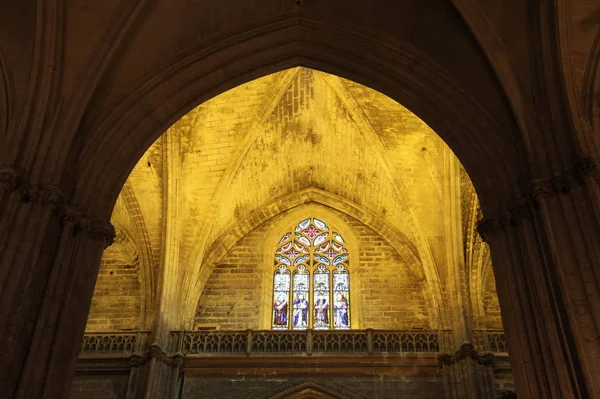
(394,68)
(75,136)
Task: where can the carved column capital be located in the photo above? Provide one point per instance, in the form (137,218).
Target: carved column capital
(466,350)
(99,230)
(137,360)
(521,211)
(489,227)
(586,168)
(156,352)
(177,359)
(446,359)
(10,178)
(539,189)
(562,184)
(71,215)
(487,359)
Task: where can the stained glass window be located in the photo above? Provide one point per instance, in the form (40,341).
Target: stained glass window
(311,273)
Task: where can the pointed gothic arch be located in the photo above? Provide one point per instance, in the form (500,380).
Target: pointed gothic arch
(309,390)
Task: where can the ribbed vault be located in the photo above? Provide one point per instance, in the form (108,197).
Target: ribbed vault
(280,141)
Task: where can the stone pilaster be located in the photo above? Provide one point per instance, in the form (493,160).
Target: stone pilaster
(467,373)
(546,253)
(49,257)
(156,376)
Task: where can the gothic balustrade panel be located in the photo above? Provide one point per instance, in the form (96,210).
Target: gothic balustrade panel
(490,341)
(340,342)
(285,342)
(112,343)
(280,342)
(215,342)
(405,342)
(305,342)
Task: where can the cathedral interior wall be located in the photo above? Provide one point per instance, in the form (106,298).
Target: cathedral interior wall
(389,296)
(419,386)
(117,299)
(99,387)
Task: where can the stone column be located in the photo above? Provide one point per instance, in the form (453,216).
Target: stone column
(49,257)
(468,374)
(463,376)
(156,375)
(546,253)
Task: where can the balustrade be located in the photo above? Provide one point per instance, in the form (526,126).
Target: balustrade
(114,343)
(490,340)
(267,342)
(304,342)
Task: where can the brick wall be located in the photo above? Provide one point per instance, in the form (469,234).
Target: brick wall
(117,297)
(491,306)
(358,387)
(99,387)
(389,295)
(232,296)
(503,377)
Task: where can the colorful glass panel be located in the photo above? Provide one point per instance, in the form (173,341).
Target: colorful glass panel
(285,237)
(283,259)
(312,254)
(341,295)
(303,239)
(303,224)
(321,316)
(312,232)
(338,237)
(320,224)
(320,238)
(281,294)
(339,259)
(321,259)
(301,303)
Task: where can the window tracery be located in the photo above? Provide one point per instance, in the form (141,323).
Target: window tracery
(311,273)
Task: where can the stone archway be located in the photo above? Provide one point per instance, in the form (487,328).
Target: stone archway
(308,390)
(68,160)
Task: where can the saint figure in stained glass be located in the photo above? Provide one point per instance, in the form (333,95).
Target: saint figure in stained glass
(280,309)
(341,311)
(281,292)
(300,311)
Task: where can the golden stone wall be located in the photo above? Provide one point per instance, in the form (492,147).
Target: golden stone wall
(386,294)
(197,203)
(117,299)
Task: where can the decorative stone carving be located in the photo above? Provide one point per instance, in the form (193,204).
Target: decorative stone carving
(137,360)
(9,178)
(156,352)
(446,359)
(71,215)
(487,359)
(539,189)
(488,227)
(586,168)
(99,230)
(177,359)
(466,351)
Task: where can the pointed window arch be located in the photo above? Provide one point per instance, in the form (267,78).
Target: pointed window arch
(311,279)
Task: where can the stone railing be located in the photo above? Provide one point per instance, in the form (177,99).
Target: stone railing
(303,342)
(267,342)
(114,343)
(490,340)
